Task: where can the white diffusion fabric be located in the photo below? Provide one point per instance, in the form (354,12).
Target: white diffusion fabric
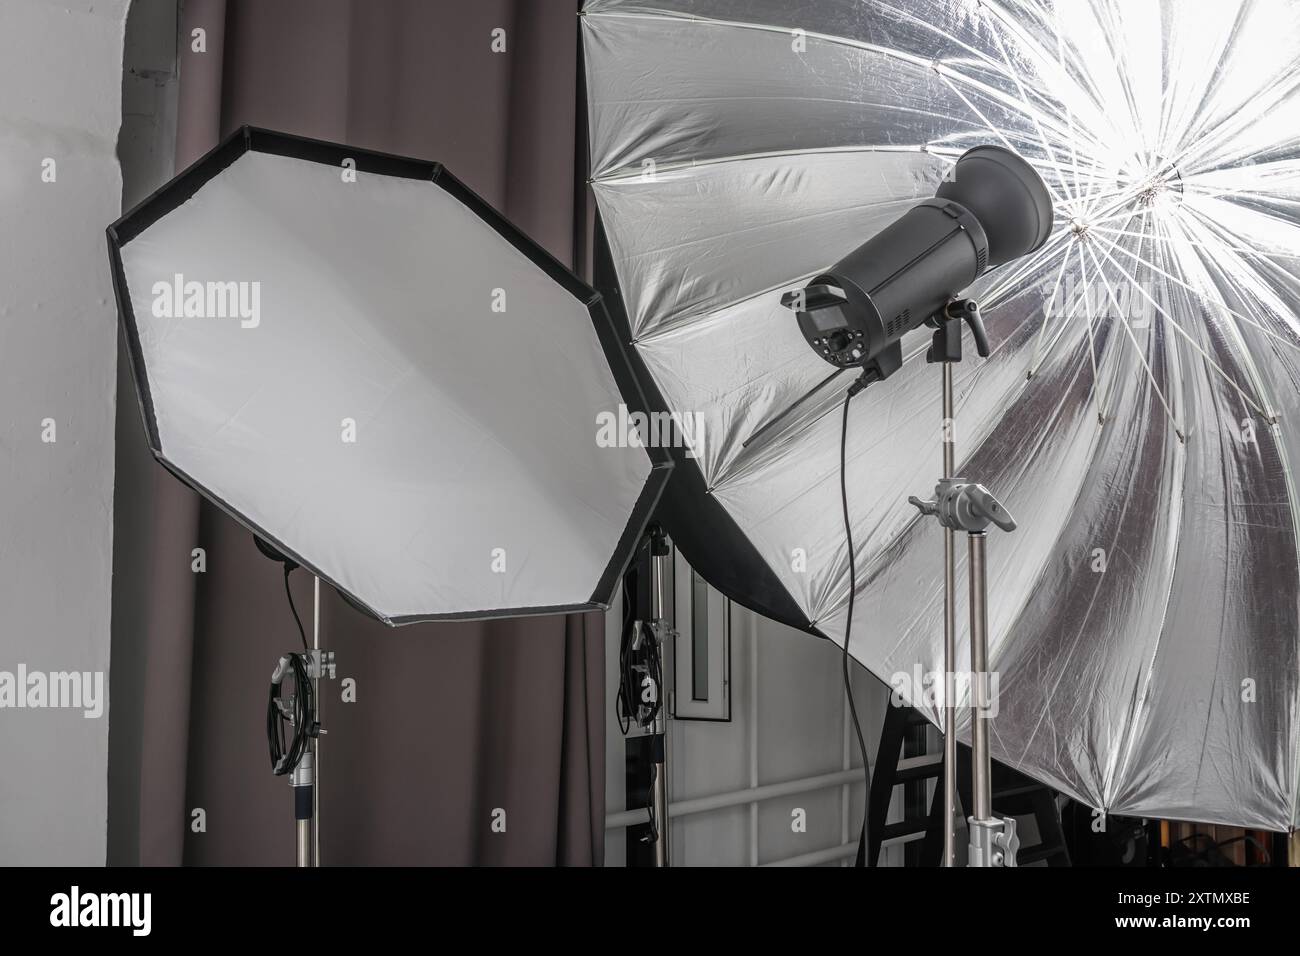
(392,390)
(1139,415)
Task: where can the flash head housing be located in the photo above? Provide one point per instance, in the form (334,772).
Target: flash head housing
(992,208)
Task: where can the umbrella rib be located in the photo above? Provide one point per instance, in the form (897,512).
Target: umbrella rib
(1293,501)
(1190,126)
(1110,31)
(890,52)
(1097,385)
(1092,345)
(1271,416)
(1233,124)
(1137,348)
(1273,268)
(1251,370)
(1069,113)
(1199,245)
(1201,295)
(1074,643)
(1011,28)
(623,175)
(1010,25)
(993,129)
(1088,88)
(993,294)
(1047,309)
(1020,86)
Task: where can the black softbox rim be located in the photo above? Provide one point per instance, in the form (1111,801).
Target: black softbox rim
(255,139)
(708,537)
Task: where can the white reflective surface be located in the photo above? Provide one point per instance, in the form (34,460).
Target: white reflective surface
(392,315)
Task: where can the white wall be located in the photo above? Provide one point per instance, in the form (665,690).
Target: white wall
(146,149)
(60,82)
(788,722)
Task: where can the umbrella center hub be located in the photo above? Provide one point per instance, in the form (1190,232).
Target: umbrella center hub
(1162,183)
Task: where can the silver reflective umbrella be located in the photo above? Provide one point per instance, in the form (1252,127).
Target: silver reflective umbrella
(1139,413)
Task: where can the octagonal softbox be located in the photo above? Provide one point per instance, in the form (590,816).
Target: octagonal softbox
(361,361)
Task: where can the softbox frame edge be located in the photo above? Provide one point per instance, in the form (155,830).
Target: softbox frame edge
(698,524)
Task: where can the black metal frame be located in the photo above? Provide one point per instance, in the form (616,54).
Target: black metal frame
(253,139)
(712,542)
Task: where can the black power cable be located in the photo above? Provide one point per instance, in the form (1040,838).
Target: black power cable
(301,716)
(636,662)
(292,607)
(639,660)
(848,630)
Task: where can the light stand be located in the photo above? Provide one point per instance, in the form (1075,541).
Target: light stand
(946,350)
(960,505)
(660,632)
(991,209)
(299,710)
(298,759)
(949,438)
(315,741)
(642,699)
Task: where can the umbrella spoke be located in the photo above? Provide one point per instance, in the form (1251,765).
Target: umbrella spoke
(1103,405)
(996,131)
(1173,419)
(1200,295)
(1171,323)
(1020,86)
(1235,123)
(1047,311)
(1207,85)
(1195,243)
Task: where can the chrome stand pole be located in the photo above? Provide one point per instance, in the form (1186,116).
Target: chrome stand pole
(949,639)
(659,556)
(993,841)
(981,762)
(961,505)
(315,743)
(304,795)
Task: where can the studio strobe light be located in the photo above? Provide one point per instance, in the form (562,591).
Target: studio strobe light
(991,209)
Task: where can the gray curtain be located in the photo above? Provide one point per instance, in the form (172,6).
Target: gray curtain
(452,722)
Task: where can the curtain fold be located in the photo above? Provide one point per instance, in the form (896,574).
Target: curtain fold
(475,743)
